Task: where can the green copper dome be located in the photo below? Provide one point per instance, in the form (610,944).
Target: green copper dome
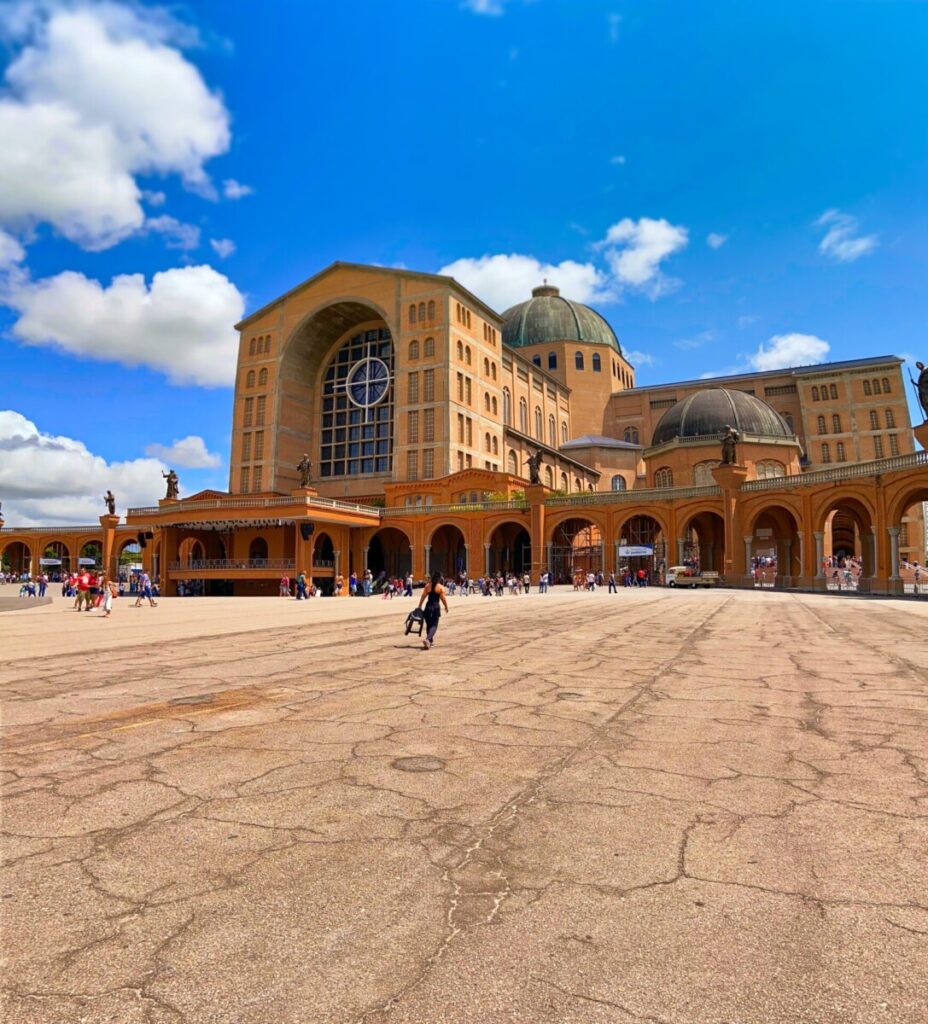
(712,410)
(548,316)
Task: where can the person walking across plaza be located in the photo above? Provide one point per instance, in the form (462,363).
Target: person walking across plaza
(613,589)
(433,596)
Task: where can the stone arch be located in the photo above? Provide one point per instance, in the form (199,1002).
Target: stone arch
(16,557)
(509,547)
(577,542)
(447,550)
(54,547)
(257,550)
(190,550)
(389,551)
(846,519)
(92,548)
(773,550)
(703,541)
(637,531)
(323,551)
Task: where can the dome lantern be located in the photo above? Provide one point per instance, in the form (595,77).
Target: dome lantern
(549,317)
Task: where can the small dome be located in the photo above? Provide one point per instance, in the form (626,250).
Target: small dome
(712,410)
(548,316)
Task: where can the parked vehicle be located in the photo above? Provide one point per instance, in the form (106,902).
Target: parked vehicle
(685,576)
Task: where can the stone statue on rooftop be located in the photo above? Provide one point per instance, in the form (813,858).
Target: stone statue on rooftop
(921,386)
(534,467)
(173,488)
(730,440)
(305,468)
(110,503)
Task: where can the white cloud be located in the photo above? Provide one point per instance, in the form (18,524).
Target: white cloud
(181,325)
(635,250)
(177,234)
(638,358)
(46,479)
(233,189)
(190,451)
(619,159)
(697,341)
(153,198)
(223,247)
(715,241)
(96,96)
(10,250)
(789,350)
(490,7)
(747,320)
(842,242)
(614,21)
(503,280)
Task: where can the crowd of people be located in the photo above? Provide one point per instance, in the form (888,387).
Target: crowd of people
(90,588)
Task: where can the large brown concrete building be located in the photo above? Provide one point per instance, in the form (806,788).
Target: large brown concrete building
(419,407)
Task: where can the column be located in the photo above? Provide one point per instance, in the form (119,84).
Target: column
(363,569)
(336,555)
(787,570)
(871,541)
(802,553)
(602,564)
(486,559)
(466,559)
(549,556)
(748,541)
(428,560)
(819,554)
(681,543)
(893,532)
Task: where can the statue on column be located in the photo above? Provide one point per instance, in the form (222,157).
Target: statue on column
(110,503)
(305,469)
(921,386)
(173,487)
(534,467)
(730,440)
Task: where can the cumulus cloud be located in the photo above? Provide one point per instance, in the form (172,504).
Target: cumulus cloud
(233,189)
(177,234)
(618,160)
(189,451)
(11,252)
(715,241)
(47,479)
(638,358)
(96,97)
(843,241)
(223,247)
(789,350)
(634,251)
(503,280)
(181,324)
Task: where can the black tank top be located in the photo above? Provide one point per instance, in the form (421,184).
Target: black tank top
(432,603)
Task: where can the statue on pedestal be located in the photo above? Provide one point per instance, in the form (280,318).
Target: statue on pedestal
(305,468)
(110,503)
(173,488)
(730,440)
(921,386)
(534,467)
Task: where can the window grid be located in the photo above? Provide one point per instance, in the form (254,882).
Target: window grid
(890,419)
(893,444)
(836,423)
(878,447)
(259,410)
(428,464)
(874,420)
(412,427)
(244,479)
(428,386)
(259,444)
(249,411)
(412,465)
(257,479)
(842,455)
(429,347)
(429,425)
(412,389)
(826,453)
(246,447)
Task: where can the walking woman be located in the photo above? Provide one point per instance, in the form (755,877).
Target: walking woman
(433,595)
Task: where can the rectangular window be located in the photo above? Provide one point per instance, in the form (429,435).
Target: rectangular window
(460,383)
(893,444)
(878,447)
(243,481)
(890,419)
(259,445)
(413,396)
(412,428)
(429,382)
(467,392)
(469,460)
(429,425)
(428,464)
(249,411)
(874,420)
(259,411)
(460,428)
(257,482)
(470,432)
(826,453)
(412,465)
(842,456)
(460,460)
(429,347)
(246,447)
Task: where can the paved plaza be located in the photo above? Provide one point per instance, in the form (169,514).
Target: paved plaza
(674,807)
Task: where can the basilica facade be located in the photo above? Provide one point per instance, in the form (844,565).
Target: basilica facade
(392,420)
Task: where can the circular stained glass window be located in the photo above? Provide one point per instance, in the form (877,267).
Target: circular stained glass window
(368,381)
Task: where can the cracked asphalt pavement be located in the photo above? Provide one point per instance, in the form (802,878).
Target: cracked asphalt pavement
(663,806)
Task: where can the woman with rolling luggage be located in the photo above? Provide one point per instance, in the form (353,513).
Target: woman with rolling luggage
(433,596)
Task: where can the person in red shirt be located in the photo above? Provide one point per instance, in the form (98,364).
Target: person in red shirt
(83,591)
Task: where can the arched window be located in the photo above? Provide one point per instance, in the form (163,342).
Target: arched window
(495,446)
(826,453)
(493,370)
(702,473)
(867,389)
(788,420)
(467,355)
(431,310)
(257,550)
(886,385)
(512,462)
(890,419)
(539,431)
(618,482)
(769,469)
(814,394)
(876,387)
(842,457)
(836,423)
(421,310)
(597,363)
(536,361)
(578,484)
(663,477)
(821,425)
(578,360)
(874,420)
(262,377)
(507,407)
(552,432)
(487,447)
(523,416)
(251,346)
(631,435)
(486,367)
(549,477)
(833,391)
(495,406)
(564,486)
(564,432)
(429,347)
(486,402)
(552,360)
(250,379)
(412,313)
(414,350)
(460,350)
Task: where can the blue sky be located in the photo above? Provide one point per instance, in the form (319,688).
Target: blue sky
(602,144)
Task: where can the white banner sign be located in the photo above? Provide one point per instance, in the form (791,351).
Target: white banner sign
(635,550)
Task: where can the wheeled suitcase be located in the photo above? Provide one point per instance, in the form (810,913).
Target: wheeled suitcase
(413,619)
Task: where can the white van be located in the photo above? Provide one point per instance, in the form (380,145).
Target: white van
(684,576)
